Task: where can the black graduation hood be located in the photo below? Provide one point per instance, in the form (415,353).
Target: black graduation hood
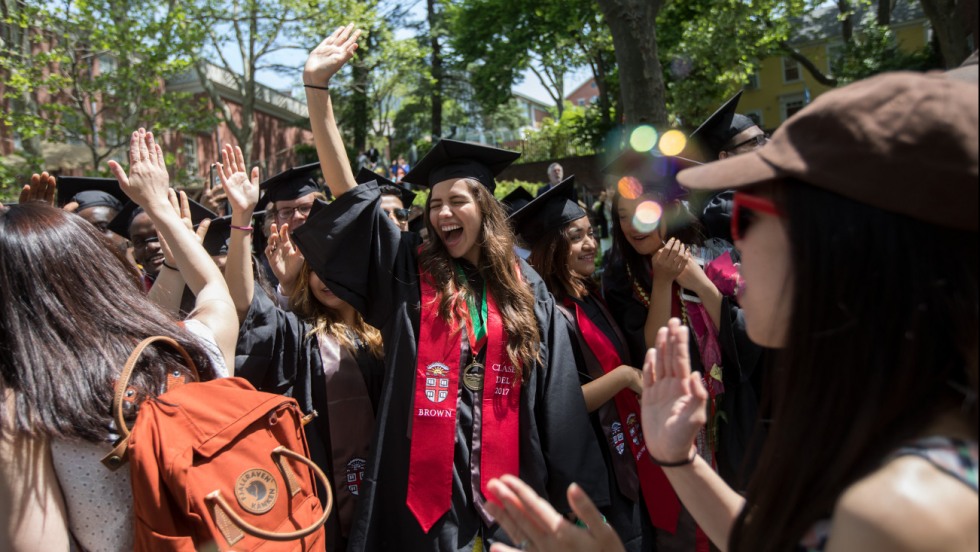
(453,159)
(552,209)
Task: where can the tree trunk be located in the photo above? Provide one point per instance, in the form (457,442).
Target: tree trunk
(437,71)
(884,16)
(950,28)
(847,20)
(633,27)
(18,39)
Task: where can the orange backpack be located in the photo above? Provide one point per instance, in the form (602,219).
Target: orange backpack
(218,465)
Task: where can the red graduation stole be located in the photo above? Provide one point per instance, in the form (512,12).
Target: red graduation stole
(430,471)
(661,500)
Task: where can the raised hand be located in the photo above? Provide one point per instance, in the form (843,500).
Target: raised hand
(41,188)
(284,257)
(671,259)
(531,521)
(147,182)
(673,401)
(330,55)
(242,193)
(181,206)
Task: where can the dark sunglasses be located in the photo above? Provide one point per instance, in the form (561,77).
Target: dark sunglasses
(400,214)
(756,141)
(744,209)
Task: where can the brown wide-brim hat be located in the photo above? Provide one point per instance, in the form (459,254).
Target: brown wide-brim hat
(902,142)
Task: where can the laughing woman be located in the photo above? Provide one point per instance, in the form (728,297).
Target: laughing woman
(472,342)
(563,247)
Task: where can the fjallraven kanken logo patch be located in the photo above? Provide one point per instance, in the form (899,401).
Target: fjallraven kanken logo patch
(256,491)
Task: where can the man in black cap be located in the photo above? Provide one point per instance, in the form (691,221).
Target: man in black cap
(292,193)
(98,200)
(395,198)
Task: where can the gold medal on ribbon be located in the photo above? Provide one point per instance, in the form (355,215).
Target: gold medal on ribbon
(473,376)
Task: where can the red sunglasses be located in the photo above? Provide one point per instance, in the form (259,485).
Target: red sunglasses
(743,208)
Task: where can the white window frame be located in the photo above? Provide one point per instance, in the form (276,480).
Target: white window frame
(786,100)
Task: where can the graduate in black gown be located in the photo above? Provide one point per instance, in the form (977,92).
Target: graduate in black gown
(476,382)
(320,352)
(651,276)
(563,250)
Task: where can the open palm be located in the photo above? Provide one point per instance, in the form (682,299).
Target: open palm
(242,192)
(673,401)
(330,55)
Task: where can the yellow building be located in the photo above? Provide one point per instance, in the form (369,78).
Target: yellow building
(782,86)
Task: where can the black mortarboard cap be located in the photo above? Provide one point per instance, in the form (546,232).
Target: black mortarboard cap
(552,209)
(417,224)
(90,192)
(219,232)
(453,159)
(718,129)
(121,223)
(291,184)
(656,173)
(516,199)
(364,176)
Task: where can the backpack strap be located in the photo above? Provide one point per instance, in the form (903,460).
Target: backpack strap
(232,525)
(123,393)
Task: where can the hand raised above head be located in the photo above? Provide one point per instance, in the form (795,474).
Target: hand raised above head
(242,192)
(41,188)
(147,182)
(330,55)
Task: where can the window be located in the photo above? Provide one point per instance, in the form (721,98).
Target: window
(790,104)
(594,100)
(753,82)
(107,64)
(581,101)
(190,154)
(592,84)
(791,70)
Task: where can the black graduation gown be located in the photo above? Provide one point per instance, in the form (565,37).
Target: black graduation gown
(377,273)
(738,442)
(629,518)
(276,354)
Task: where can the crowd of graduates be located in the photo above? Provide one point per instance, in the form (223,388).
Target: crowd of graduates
(780,352)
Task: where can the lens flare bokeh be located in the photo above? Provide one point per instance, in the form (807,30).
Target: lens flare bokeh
(672,142)
(647,216)
(629,187)
(643,138)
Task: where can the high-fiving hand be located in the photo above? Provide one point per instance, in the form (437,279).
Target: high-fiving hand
(673,401)
(242,192)
(147,182)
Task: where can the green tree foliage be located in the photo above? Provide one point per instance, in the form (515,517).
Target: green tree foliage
(90,71)
(563,137)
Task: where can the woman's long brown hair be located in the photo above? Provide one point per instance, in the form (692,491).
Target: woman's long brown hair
(327,321)
(72,309)
(549,256)
(498,268)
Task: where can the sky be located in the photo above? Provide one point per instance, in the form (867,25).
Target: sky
(528,86)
